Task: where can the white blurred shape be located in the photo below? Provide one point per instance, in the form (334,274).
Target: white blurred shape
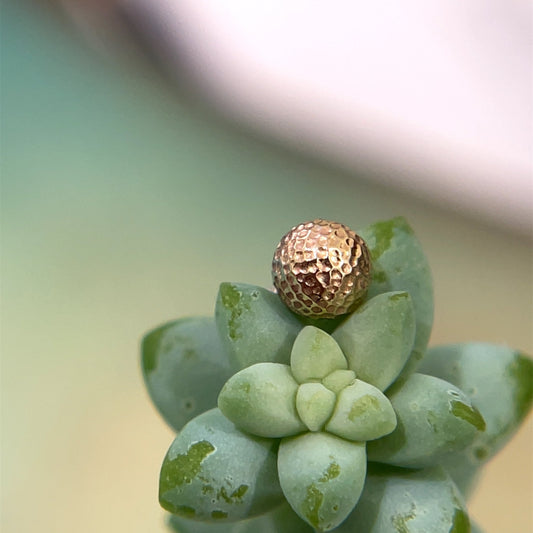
(435,96)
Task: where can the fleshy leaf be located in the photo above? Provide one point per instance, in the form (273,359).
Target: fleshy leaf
(377,338)
(338,379)
(280,520)
(314,404)
(315,354)
(184,367)
(402,501)
(254,325)
(322,477)
(362,413)
(399,264)
(214,472)
(464,468)
(499,381)
(261,400)
(435,418)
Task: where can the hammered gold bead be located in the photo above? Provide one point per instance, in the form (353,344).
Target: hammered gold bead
(321,269)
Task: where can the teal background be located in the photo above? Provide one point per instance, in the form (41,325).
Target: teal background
(124,205)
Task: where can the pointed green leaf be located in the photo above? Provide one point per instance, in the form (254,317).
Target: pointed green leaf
(280,520)
(322,477)
(254,325)
(261,400)
(399,264)
(362,413)
(377,338)
(314,404)
(435,418)
(499,381)
(403,501)
(214,472)
(315,354)
(184,367)
(338,379)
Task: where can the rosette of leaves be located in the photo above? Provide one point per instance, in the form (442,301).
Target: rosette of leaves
(349,424)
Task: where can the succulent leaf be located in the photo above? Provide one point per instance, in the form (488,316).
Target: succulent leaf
(261,400)
(362,413)
(378,337)
(254,325)
(499,381)
(322,477)
(338,379)
(464,468)
(403,501)
(214,472)
(435,418)
(315,354)
(399,264)
(314,404)
(184,367)
(281,520)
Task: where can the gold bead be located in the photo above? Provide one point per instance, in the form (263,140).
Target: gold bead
(321,269)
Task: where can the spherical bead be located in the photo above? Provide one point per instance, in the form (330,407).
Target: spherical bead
(321,269)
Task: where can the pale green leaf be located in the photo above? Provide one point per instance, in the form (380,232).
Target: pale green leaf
(403,501)
(184,367)
(338,380)
(499,381)
(435,419)
(362,413)
(254,325)
(399,264)
(322,477)
(315,354)
(464,468)
(280,520)
(314,404)
(214,472)
(261,400)
(377,338)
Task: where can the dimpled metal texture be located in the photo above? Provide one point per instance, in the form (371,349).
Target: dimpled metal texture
(321,269)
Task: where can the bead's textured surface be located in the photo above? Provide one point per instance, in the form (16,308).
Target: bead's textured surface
(321,269)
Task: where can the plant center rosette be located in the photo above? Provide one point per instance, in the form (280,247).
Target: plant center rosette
(323,414)
(324,421)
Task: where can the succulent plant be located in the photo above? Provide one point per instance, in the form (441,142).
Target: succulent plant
(320,407)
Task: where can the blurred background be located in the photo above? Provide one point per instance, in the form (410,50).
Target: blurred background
(153,149)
